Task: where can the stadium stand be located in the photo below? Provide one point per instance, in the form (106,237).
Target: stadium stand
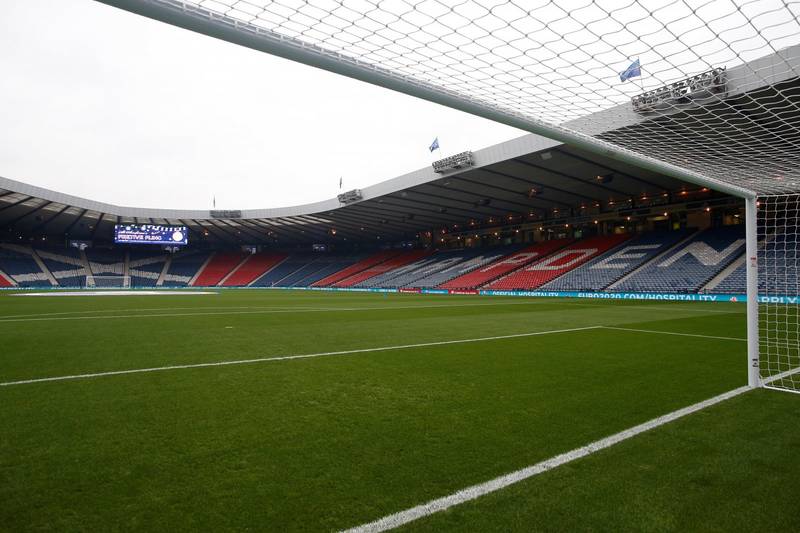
(18,263)
(607,268)
(5,280)
(307,266)
(331,265)
(66,265)
(397,277)
(184,267)
(145,268)
(356,267)
(221,265)
(779,258)
(106,262)
(736,281)
(483,275)
(540,272)
(691,266)
(470,263)
(408,275)
(404,258)
(286,268)
(252,268)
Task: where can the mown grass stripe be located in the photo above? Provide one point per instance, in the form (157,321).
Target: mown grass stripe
(286,357)
(476,491)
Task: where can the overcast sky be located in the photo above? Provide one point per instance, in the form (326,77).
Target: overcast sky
(114,107)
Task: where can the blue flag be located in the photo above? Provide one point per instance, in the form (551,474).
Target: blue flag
(434,145)
(635,69)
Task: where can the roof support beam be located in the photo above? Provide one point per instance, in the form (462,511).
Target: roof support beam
(49,219)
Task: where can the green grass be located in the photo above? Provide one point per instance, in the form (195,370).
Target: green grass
(331,442)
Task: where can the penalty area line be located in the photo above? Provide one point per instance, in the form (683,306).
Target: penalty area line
(675,333)
(476,491)
(288,357)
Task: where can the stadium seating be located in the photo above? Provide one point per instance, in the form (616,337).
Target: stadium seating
(355,268)
(330,266)
(483,275)
(692,265)
(287,267)
(65,264)
(106,262)
(779,264)
(215,270)
(398,277)
(470,263)
(408,275)
(252,268)
(183,267)
(540,272)
(307,266)
(18,262)
(5,281)
(607,268)
(145,267)
(404,258)
(736,282)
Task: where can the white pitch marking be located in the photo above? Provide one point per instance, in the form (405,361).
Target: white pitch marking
(112,293)
(140,310)
(769,380)
(470,493)
(288,357)
(286,310)
(278,309)
(675,333)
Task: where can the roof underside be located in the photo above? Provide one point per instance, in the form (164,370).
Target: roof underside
(553,183)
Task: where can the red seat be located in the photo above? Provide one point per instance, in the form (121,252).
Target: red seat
(218,268)
(504,265)
(355,268)
(253,268)
(540,272)
(395,262)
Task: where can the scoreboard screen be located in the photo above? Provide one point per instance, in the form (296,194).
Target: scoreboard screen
(150,234)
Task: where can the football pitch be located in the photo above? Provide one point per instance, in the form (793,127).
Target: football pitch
(312,411)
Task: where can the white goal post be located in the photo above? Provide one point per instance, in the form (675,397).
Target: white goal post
(107,282)
(705,91)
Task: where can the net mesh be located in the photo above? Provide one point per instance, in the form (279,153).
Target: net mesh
(560,62)
(108,282)
(710,86)
(779,290)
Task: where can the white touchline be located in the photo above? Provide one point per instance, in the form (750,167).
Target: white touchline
(470,493)
(675,333)
(142,310)
(42,317)
(287,357)
(273,311)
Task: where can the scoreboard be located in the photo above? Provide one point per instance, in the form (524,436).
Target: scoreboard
(150,234)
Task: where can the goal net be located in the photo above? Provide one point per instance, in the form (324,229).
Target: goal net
(705,91)
(779,291)
(107,282)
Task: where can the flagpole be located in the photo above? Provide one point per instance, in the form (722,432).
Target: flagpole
(641,81)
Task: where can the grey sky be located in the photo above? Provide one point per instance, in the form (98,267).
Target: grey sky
(104,104)
(107,105)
